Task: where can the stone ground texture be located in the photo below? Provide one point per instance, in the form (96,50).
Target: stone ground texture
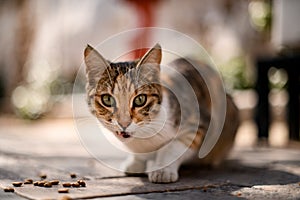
(53,147)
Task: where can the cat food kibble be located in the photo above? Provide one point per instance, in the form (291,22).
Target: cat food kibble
(41,183)
(9,189)
(43,176)
(66,198)
(73,175)
(54,182)
(238,194)
(67,184)
(63,190)
(28,181)
(17,184)
(75,184)
(81,183)
(48,185)
(36,183)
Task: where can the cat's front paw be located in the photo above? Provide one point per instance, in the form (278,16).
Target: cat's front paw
(165,175)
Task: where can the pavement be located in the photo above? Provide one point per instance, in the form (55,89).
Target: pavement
(54,147)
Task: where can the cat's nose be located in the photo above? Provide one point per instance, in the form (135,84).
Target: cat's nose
(124,125)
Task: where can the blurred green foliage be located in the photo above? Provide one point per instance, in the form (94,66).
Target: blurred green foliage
(235,74)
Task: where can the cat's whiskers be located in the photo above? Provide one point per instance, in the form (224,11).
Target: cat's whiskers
(161,124)
(162,135)
(154,128)
(143,129)
(108,125)
(85,119)
(153,125)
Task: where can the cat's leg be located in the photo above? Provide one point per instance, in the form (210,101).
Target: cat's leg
(167,163)
(135,164)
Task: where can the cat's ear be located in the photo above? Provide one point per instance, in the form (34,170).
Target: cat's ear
(149,66)
(95,65)
(153,56)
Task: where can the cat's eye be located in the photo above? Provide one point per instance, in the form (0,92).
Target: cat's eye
(108,100)
(140,100)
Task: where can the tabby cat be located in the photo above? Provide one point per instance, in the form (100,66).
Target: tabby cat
(137,103)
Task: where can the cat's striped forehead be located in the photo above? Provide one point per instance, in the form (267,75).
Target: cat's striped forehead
(127,76)
(116,72)
(124,84)
(122,67)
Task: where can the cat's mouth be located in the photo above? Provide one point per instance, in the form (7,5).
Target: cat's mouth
(123,134)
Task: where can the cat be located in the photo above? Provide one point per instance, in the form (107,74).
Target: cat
(129,99)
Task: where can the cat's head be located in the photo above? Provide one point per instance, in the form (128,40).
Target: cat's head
(124,96)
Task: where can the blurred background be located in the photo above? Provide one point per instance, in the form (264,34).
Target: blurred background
(42,46)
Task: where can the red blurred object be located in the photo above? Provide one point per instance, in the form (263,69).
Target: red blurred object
(146,16)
